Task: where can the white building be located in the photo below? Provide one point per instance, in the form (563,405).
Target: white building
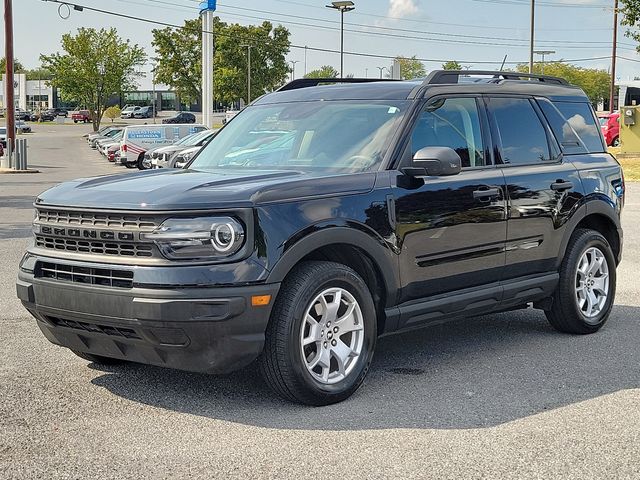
(29,94)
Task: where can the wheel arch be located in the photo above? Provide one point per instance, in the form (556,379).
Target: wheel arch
(597,215)
(373,260)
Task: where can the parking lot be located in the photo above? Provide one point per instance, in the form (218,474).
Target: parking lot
(497,396)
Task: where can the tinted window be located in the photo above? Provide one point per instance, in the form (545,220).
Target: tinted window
(581,119)
(569,140)
(454,123)
(521,135)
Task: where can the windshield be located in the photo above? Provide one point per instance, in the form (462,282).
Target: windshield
(193,139)
(3,131)
(341,136)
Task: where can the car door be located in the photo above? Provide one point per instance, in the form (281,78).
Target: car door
(451,230)
(543,186)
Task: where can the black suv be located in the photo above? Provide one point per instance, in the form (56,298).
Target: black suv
(325,215)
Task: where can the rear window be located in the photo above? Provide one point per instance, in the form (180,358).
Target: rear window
(574,125)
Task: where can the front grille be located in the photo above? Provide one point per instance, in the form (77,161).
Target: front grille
(97,247)
(96,233)
(86,275)
(105,220)
(95,328)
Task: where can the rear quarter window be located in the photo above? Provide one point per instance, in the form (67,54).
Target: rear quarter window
(574,125)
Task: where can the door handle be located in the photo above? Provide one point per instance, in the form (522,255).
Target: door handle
(486,194)
(561,185)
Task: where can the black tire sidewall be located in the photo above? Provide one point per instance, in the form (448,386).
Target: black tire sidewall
(594,239)
(347,280)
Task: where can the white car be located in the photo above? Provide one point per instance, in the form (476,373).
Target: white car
(129,111)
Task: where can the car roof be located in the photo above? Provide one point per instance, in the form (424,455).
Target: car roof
(438,82)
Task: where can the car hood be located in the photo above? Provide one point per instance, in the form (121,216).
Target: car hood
(178,189)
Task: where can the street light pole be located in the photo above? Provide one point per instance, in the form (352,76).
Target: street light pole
(153,86)
(293,68)
(381,70)
(342,6)
(532,34)
(305,60)
(612,87)
(543,53)
(248,72)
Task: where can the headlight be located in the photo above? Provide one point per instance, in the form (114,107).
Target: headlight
(202,238)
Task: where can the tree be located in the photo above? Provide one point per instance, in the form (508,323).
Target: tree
(410,68)
(95,65)
(325,71)
(451,65)
(38,74)
(17,66)
(179,56)
(178,52)
(112,112)
(594,82)
(630,10)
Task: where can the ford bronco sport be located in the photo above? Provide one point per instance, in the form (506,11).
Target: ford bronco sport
(324,215)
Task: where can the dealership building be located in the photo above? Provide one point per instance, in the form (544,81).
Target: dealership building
(35,95)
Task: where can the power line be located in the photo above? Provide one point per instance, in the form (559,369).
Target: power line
(316,49)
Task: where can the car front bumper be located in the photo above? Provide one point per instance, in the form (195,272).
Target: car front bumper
(207,329)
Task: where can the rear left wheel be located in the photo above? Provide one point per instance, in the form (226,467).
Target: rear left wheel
(321,336)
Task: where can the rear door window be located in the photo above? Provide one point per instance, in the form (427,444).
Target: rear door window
(522,137)
(580,117)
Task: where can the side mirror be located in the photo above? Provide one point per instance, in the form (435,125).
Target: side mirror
(434,161)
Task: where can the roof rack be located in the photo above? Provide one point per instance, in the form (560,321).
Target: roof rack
(453,76)
(314,82)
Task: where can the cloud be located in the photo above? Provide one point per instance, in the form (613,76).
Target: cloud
(402,8)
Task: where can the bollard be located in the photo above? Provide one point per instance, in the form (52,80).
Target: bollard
(24,155)
(17,154)
(9,153)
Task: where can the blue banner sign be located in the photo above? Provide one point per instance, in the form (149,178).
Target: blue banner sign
(146,134)
(208,5)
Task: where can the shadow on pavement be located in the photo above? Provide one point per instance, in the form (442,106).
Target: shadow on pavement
(473,373)
(18,201)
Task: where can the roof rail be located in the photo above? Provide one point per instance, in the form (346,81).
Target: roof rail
(453,76)
(314,82)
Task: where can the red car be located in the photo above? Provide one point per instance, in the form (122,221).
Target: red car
(610,125)
(83,116)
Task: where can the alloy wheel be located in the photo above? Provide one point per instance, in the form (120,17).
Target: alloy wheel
(592,282)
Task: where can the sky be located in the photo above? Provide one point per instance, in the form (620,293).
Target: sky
(469,31)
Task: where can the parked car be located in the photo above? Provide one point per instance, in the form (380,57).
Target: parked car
(129,112)
(108,134)
(3,136)
(22,114)
(111,152)
(22,127)
(103,143)
(161,157)
(51,113)
(610,125)
(83,116)
(182,158)
(137,139)
(100,131)
(182,117)
(144,112)
(396,205)
(1,150)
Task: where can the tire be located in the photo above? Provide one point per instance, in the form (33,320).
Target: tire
(566,313)
(99,359)
(285,363)
(75,121)
(141,164)
(131,165)
(615,142)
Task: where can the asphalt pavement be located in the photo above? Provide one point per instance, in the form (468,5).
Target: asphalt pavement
(500,396)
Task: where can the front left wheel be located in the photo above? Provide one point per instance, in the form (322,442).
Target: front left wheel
(322,334)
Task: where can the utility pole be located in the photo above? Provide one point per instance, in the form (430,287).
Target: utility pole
(532,34)
(305,60)
(10,105)
(343,6)
(612,88)
(248,72)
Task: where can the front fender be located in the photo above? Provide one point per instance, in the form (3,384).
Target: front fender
(374,246)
